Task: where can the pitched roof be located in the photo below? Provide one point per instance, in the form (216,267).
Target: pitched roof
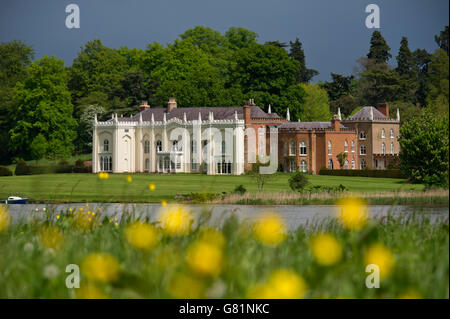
(364,113)
(219,113)
(306,125)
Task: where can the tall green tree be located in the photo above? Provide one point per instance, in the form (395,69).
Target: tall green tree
(304,74)
(96,68)
(268,75)
(421,59)
(239,38)
(43,107)
(424,155)
(442,39)
(438,77)
(405,60)
(376,82)
(316,107)
(15,57)
(340,85)
(379,49)
(186,72)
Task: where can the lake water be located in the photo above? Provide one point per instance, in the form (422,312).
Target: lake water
(295,216)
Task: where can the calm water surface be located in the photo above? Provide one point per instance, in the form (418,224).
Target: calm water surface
(295,216)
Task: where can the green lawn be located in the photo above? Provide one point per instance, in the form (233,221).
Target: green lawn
(88,187)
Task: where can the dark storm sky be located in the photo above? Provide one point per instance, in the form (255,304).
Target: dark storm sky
(333,32)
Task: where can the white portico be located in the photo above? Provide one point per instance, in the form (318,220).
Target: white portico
(171,140)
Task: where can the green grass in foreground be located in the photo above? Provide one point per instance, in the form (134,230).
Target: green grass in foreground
(30,269)
(88,187)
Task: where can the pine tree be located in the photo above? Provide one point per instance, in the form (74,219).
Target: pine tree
(379,49)
(405,61)
(442,39)
(296,52)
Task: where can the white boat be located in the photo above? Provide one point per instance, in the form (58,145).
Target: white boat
(15,200)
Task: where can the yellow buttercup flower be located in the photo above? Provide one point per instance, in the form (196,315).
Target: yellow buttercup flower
(84,221)
(380,255)
(89,291)
(103,175)
(282,284)
(163,203)
(326,249)
(151,187)
(205,258)
(175,220)
(129,179)
(5,219)
(142,236)
(270,229)
(352,213)
(100,267)
(183,286)
(51,237)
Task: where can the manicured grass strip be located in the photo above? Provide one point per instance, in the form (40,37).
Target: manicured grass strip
(88,187)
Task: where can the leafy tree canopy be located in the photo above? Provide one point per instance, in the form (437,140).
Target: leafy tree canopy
(43,107)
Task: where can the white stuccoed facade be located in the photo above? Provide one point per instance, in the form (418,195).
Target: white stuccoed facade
(124,146)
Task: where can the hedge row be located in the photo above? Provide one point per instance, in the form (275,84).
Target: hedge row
(24,169)
(5,171)
(385,173)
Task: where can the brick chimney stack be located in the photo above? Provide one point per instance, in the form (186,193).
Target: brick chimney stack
(144,106)
(336,123)
(383,108)
(172,104)
(247,111)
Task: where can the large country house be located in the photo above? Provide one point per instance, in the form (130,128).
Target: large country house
(227,140)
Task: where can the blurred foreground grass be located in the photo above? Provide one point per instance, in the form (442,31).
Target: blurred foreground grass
(176,258)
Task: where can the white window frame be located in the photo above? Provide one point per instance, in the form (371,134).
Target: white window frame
(303,166)
(292,148)
(105,145)
(345,146)
(362,135)
(361,148)
(303,148)
(392,133)
(329,148)
(383,133)
(158,146)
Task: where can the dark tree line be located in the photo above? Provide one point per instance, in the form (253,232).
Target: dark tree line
(46,108)
(420,79)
